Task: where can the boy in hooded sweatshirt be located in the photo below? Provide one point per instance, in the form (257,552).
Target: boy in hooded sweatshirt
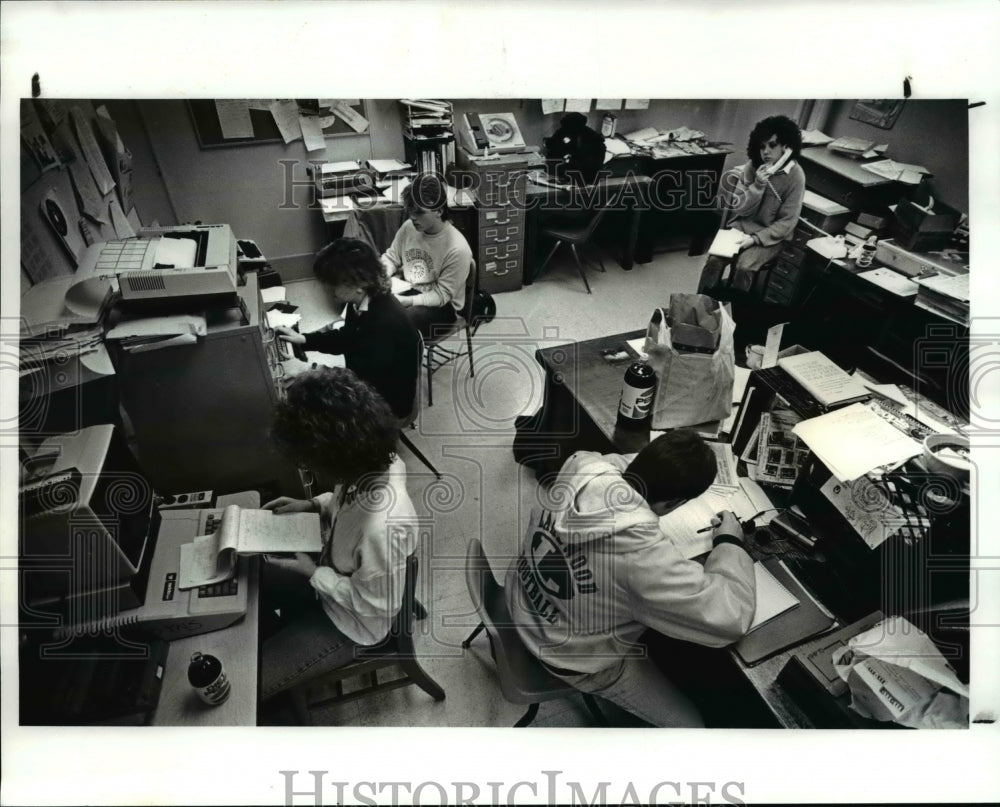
(595,572)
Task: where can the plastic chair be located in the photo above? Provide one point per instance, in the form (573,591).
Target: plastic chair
(573,236)
(437,355)
(410,420)
(523,678)
(396,650)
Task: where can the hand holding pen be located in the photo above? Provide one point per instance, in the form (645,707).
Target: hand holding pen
(725,523)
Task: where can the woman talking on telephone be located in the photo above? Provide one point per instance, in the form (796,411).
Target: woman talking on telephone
(762,199)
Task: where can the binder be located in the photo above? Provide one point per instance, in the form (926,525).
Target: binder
(808,619)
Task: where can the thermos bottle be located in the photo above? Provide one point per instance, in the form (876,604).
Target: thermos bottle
(635,410)
(209,680)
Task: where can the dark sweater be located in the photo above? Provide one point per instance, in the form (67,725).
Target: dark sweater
(380,345)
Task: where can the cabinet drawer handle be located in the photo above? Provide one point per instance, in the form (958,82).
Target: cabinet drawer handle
(502,240)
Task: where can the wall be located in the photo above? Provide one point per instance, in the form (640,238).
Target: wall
(932,133)
(177,181)
(248,186)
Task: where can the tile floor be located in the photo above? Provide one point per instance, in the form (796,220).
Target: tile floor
(483,493)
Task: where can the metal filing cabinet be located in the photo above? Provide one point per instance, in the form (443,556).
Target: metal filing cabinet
(501,183)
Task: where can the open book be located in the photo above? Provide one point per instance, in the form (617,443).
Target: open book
(823,379)
(212,558)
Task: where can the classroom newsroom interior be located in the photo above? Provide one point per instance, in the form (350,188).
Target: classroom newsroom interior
(163,240)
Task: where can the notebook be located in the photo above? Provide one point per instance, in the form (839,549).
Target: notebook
(787,628)
(726,243)
(823,379)
(772,597)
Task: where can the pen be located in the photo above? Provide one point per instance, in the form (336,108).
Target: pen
(715,523)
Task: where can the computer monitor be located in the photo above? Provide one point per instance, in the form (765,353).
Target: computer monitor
(87,527)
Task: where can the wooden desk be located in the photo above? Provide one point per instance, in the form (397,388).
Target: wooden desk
(844,180)
(619,194)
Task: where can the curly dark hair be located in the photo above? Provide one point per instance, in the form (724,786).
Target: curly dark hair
(426,192)
(335,424)
(349,261)
(676,465)
(787,131)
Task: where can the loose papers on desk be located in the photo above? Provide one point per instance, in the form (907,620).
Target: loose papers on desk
(854,440)
(895,673)
(900,172)
(154,333)
(683,526)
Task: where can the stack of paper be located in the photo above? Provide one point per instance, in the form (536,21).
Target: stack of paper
(726,243)
(891,281)
(947,296)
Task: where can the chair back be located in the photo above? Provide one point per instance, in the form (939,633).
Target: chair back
(471,287)
(594,221)
(523,679)
(399,640)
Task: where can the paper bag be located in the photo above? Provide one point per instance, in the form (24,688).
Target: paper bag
(690,346)
(896,674)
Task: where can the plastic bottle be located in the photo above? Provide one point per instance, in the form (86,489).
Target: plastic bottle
(635,408)
(206,675)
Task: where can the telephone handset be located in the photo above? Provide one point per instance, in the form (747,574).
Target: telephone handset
(778,164)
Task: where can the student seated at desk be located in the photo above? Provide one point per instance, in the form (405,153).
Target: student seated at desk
(596,572)
(762,199)
(378,340)
(341,429)
(433,257)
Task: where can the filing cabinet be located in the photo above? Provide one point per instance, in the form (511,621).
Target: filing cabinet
(500,185)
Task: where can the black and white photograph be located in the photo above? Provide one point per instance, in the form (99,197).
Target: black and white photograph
(363,400)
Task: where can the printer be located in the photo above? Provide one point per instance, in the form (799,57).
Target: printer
(163,268)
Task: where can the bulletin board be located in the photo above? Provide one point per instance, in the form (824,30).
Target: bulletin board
(265,130)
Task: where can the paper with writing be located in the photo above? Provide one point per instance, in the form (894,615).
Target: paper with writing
(234,118)
(772,345)
(286,118)
(90,198)
(312,132)
(683,526)
(854,440)
(552,105)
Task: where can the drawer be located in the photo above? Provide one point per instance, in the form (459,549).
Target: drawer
(777,297)
(786,270)
(502,193)
(500,216)
(502,234)
(500,252)
(781,284)
(502,266)
(790,253)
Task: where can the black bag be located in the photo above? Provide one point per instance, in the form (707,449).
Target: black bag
(484,308)
(575,152)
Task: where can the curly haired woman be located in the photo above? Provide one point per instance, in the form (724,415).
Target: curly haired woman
(762,199)
(377,340)
(338,426)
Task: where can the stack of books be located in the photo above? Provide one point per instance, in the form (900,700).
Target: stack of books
(946,296)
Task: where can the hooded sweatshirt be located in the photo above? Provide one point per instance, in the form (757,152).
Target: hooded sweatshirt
(595,571)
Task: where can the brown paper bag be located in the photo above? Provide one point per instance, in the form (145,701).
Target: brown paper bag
(690,346)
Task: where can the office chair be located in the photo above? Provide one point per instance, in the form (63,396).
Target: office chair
(396,650)
(410,421)
(437,355)
(573,236)
(523,679)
